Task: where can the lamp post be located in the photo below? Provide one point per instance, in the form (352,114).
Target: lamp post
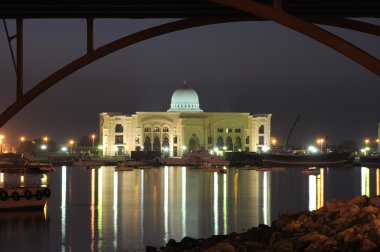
(22,139)
(1,143)
(320,142)
(46,142)
(366,142)
(71,142)
(93,140)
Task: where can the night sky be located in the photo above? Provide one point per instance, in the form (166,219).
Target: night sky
(256,67)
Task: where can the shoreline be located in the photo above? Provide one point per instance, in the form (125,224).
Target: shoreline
(352,225)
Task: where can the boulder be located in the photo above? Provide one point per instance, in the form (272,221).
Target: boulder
(283,246)
(375,201)
(367,245)
(360,200)
(224,247)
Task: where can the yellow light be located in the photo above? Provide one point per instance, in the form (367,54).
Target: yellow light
(1,137)
(22,139)
(366,141)
(45,139)
(93,136)
(71,142)
(377,140)
(274,141)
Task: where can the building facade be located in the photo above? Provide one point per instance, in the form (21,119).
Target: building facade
(183,128)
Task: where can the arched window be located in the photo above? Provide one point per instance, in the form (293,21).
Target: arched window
(165,129)
(119,128)
(165,142)
(237,144)
(229,144)
(156,129)
(220,143)
(147,129)
(193,142)
(147,144)
(261,129)
(156,144)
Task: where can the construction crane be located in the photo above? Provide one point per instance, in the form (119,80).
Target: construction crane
(291,130)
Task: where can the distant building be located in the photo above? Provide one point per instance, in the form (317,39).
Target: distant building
(183,128)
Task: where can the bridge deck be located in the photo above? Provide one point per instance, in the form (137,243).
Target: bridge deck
(175,8)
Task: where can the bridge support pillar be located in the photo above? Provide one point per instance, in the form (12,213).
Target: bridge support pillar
(20,59)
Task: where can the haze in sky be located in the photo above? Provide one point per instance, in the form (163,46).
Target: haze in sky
(256,67)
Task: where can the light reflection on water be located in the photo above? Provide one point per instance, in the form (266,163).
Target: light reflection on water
(103,210)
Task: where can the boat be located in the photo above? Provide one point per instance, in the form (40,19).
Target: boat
(310,171)
(370,160)
(22,192)
(24,197)
(194,158)
(88,163)
(131,163)
(320,159)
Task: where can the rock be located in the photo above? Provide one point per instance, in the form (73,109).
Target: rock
(188,243)
(375,201)
(371,209)
(283,246)
(341,224)
(367,246)
(224,247)
(312,238)
(359,200)
(292,227)
(276,237)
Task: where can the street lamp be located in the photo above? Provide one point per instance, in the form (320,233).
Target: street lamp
(71,142)
(22,139)
(274,141)
(1,143)
(366,142)
(320,142)
(93,140)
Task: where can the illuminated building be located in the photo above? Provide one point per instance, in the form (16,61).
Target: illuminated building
(183,128)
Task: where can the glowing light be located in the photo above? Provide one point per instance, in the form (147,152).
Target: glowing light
(22,180)
(166,203)
(312,149)
(365,181)
(64,149)
(216,149)
(312,192)
(43,147)
(216,217)
(183,209)
(63,208)
(115,194)
(100,147)
(183,147)
(224,148)
(22,139)
(265,148)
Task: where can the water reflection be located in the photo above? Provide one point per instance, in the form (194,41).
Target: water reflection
(365,181)
(316,189)
(103,210)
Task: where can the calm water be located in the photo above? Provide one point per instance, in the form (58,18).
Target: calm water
(102,210)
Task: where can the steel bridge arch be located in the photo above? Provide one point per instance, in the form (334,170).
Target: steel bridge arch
(361,57)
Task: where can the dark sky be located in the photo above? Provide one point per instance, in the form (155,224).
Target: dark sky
(256,67)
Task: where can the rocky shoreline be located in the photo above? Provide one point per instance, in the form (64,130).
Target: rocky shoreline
(352,225)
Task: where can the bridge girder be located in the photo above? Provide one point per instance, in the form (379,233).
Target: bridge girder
(259,10)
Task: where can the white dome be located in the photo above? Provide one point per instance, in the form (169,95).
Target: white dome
(184,99)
